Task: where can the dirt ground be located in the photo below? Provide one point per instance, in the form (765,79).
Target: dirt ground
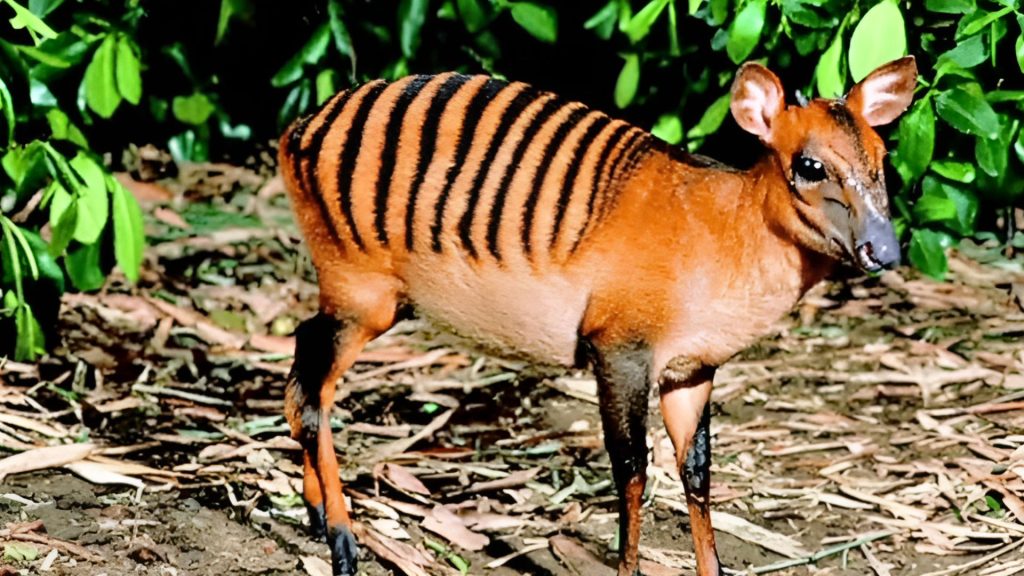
(879,430)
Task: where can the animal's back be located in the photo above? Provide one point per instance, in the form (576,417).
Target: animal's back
(467,166)
(474,192)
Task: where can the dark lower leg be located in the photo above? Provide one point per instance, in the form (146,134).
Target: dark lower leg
(624,386)
(697,482)
(325,348)
(685,394)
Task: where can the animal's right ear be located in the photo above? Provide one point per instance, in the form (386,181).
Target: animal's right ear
(757,98)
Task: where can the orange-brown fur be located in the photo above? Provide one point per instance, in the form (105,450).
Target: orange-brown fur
(682,258)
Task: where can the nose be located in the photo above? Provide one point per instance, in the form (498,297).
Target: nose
(877,246)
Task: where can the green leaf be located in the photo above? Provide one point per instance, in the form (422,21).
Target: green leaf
(965,204)
(7,107)
(967,111)
(603,22)
(879,37)
(64,230)
(917,140)
(745,30)
(129,236)
(47,265)
(473,15)
(411,16)
(93,207)
(978,21)
(1019,45)
(966,54)
(326,85)
(928,252)
(540,20)
(129,74)
(61,170)
(230,9)
(712,118)
(295,104)
(83,266)
(61,128)
(194,109)
(100,82)
(342,39)
(669,128)
(931,208)
(628,81)
(830,75)
(310,53)
(693,6)
(44,57)
(640,24)
(30,345)
(27,167)
(16,240)
(950,6)
(994,154)
(43,7)
(957,171)
(23,18)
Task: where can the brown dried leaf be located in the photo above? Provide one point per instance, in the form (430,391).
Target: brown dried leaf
(578,559)
(449,526)
(43,458)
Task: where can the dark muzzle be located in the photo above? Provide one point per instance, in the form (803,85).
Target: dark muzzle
(877,246)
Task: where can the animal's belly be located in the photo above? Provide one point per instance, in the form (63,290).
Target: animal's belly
(515,314)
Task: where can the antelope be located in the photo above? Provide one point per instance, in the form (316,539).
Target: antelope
(543,228)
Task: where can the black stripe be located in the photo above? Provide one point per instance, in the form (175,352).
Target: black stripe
(508,117)
(349,154)
(474,111)
(388,155)
(569,181)
(595,185)
(428,144)
(639,144)
(617,163)
(312,178)
(634,156)
(298,130)
(293,149)
(542,169)
(498,207)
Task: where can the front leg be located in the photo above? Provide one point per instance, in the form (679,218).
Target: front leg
(623,377)
(685,387)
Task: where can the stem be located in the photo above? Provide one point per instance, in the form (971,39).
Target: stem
(823,553)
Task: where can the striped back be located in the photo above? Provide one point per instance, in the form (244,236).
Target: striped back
(456,163)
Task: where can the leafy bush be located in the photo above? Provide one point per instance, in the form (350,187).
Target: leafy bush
(54,185)
(209,79)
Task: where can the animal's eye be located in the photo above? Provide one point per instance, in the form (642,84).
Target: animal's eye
(809,169)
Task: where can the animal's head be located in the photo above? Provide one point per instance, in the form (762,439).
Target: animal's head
(831,157)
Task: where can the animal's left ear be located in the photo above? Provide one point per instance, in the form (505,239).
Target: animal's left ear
(885,93)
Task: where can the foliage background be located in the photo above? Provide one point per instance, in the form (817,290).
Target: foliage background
(83,79)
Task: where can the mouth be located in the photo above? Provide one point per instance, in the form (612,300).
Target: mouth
(866,258)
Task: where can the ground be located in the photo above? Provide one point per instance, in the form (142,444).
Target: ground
(879,430)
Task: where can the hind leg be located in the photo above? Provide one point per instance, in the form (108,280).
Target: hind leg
(326,347)
(623,386)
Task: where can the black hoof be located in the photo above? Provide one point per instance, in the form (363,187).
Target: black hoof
(344,552)
(317,522)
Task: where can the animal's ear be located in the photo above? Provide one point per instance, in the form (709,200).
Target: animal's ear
(757,99)
(885,93)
